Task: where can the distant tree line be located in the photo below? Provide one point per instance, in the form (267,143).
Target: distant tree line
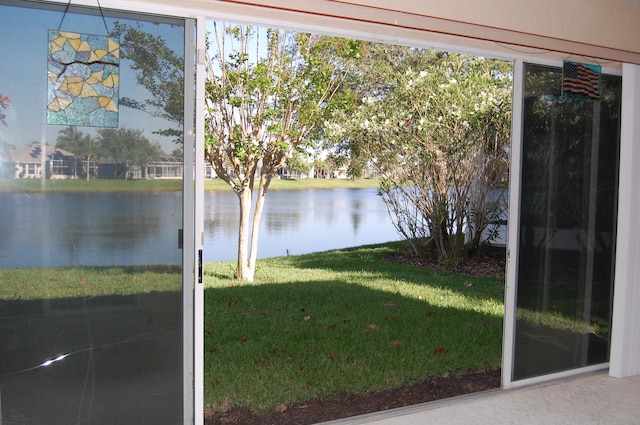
(123,148)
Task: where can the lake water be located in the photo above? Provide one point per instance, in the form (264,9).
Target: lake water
(68,229)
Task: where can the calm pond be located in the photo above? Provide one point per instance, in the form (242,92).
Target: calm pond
(69,229)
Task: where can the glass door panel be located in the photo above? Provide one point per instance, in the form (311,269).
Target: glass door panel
(567,226)
(91,275)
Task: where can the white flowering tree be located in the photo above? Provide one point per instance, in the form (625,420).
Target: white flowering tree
(268,92)
(437,126)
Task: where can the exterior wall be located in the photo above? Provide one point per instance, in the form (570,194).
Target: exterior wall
(625,338)
(28,171)
(602,29)
(604,23)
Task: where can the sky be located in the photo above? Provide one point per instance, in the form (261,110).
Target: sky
(255,50)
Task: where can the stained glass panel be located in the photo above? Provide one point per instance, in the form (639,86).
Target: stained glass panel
(83,79)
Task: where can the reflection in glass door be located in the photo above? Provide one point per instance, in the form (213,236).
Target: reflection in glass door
(91,275)
(567,226)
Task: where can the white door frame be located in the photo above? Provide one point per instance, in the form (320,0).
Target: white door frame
(625,328)
(193,285)
(189,247)
(511,281)
(513,241)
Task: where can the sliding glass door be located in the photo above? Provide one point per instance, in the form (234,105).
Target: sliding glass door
(567,229)
(92,281)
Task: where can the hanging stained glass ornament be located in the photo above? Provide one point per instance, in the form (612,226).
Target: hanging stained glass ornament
(83,79)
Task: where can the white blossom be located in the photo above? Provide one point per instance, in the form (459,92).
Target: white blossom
(368,100)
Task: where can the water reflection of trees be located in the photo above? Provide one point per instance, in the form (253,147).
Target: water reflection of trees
(287,212)
(131,225)
(91,229)
(356,214)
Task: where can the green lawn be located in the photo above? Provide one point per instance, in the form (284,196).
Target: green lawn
(316,325)
(343,321)
(74,282)
(118,185)
(94,185)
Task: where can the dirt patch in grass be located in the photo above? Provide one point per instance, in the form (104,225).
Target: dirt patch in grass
(488,263)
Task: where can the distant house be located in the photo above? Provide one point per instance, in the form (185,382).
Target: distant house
(35,161)
(286,173)
(109,169)
(166,167)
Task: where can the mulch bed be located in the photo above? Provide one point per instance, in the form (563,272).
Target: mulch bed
(344,406)
(489,263)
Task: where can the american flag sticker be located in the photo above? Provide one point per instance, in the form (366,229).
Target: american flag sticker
(581,81)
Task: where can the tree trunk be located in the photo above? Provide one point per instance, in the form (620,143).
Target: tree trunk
(88,167)
(257,215)
(245,271)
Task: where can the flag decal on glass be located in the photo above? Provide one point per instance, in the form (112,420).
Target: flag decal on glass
(581,81)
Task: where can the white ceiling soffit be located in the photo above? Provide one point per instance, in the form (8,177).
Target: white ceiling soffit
(453,25)
(606,31)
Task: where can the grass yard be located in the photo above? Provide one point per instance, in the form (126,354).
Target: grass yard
(120,185)
(344,321)
(78,282)
(315,325)
(83,186)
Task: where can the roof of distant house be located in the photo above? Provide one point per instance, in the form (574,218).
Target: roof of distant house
(33,152)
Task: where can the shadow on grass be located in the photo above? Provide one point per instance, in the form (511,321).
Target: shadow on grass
(371,260)
(274,344)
